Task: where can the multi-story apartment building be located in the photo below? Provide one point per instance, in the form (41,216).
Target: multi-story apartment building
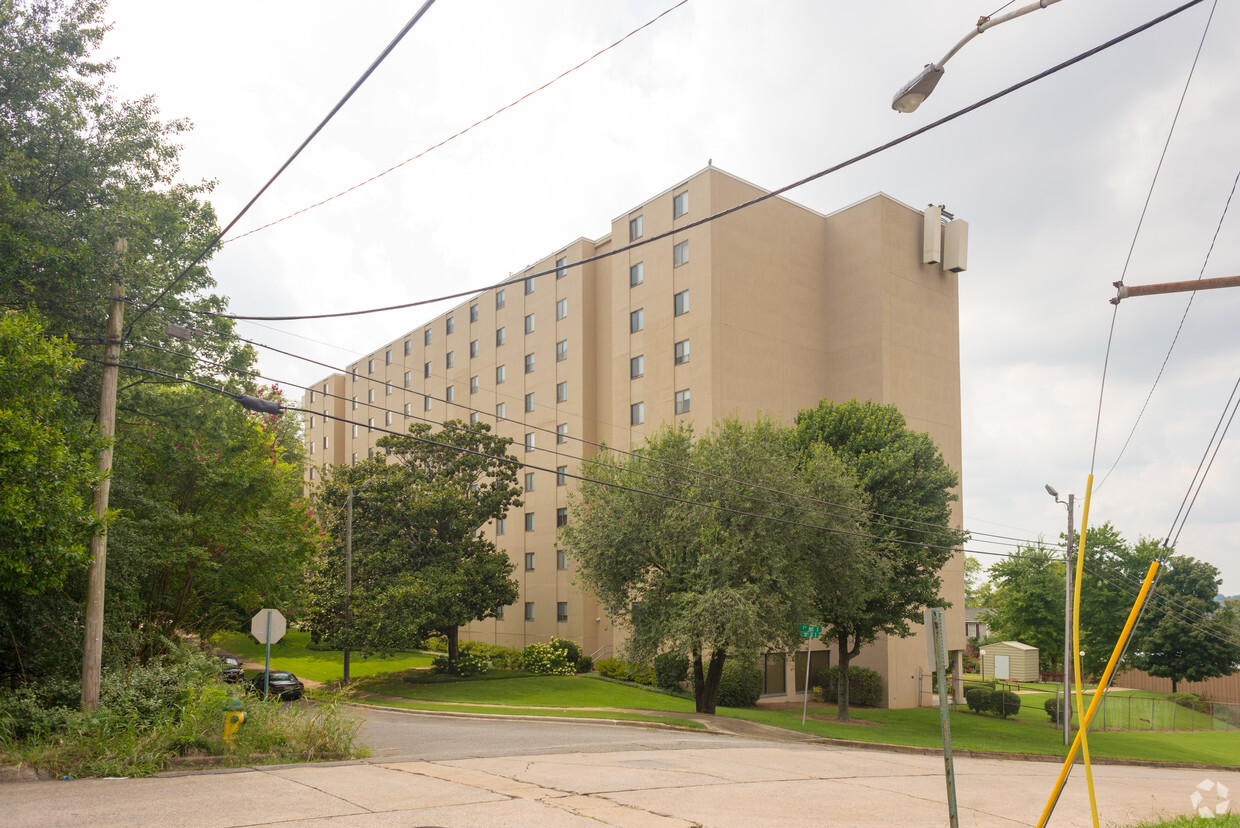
(766,310)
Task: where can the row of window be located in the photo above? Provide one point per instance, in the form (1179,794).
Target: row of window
(637,411)
(680,206)
(561,611)
(561,560)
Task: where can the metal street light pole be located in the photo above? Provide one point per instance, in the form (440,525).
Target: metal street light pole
(348,581)
(1067,616)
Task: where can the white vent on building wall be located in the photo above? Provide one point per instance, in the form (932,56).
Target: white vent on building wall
(945,239)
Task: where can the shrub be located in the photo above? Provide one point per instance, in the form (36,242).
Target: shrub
(1005,703)
(571,649)
(585,664)
(545,660)
(1051,706)
(505,658)
(437,644)
(613,668)
(468,663)
(670,669)
(642,674)
(978,698)
(865,687)
(740,685)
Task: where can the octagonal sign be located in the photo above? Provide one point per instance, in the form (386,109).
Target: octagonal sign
(258,625)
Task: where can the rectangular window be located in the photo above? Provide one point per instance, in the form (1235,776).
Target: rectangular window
(450,359)
(637,413)
(561,267)
(637,320)
(529,363)
(473,349)
(561,350)
(529,481)
(370,395)
(500,408)
(561,516)
(449,324)
(561,475)
(370,425)
(682,402)
(408,347)
(500,336)
(637,366)
(370,366)
(529,441)
(427,403)
(499,613)
(561,559)
(353,370)
(387,357)
(426,370)
(387,388)
(529,610)
(312,467)
(529,402)
(387,418)
(529,522)
(529,561)
(500,526)
(529,324)
(354,431)
(561,433)
(499,299)
(408,409)
(324,389)
(473,312)
(680,303)
(473,385)
(312,421)
(680,204)
(637,274)
(355,402)
(501,374)
(561,308)
(680,254)
(426,337)
(473,417)
(561,392)
(529,286)
(449,393)
(311,395)
(561,611)
(408,378)
(682,352)
(635,228)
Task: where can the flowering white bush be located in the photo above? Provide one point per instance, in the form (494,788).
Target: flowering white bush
(543,658)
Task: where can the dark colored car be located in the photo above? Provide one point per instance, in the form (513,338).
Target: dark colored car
(230,669)
(282,684)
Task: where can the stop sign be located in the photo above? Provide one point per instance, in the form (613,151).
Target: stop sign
(259,625)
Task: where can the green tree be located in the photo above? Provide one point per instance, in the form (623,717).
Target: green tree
(1028,603)
(714,583)
(1186,635)
(420,565)
(910,489)
(47,460)
(978,590)
(1112,575)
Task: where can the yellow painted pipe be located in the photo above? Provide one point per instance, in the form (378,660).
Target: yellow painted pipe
(1082,732)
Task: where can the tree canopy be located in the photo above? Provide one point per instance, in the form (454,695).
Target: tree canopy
(733,578)
(1028,603)
(909,489)
(420,564)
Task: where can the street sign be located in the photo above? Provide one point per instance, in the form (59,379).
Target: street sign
(260,629)
(808,631)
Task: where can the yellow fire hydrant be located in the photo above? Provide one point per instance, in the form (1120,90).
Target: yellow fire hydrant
(234,717)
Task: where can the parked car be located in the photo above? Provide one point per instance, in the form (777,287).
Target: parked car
(230,669)
(285,685)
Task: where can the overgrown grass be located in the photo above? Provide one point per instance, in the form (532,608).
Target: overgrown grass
(160,715)
(1219,821)
(290,653)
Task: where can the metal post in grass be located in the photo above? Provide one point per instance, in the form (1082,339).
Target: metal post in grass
(940,658)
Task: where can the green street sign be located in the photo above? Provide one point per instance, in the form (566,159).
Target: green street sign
(810,632)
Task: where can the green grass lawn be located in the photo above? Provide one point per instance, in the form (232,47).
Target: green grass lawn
(290,654)
(531,691)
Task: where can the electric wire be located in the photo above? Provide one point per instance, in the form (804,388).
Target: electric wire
(314,133)
(1204,472)
(1137,233)
(459,133)
(745,204)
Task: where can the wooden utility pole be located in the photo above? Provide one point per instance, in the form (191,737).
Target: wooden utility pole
(92,655)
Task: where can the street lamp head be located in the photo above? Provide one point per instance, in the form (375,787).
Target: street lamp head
(910,96)
(1050,490)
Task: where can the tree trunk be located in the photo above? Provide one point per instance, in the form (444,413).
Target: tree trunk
(699,681)
(706,683)
(841,681)
(1174,684)
(454,653)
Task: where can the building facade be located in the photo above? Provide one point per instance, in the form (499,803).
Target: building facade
(766,310)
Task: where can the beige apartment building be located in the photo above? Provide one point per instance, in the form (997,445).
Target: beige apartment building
(766,310)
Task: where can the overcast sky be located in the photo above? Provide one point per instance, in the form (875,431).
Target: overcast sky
(1052,180)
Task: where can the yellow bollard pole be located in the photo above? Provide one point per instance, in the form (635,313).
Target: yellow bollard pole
(1102,686)
(1076,650)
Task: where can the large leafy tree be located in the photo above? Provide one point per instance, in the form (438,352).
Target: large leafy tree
(1028,600)
(1112,575)
(714,583)
(420,565)
(910,489)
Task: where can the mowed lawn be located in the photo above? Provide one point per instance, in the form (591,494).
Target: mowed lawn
(290,653)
